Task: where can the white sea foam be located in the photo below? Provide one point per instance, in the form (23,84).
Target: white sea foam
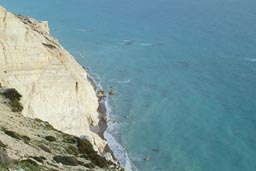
(84,30)
(250,59)
(118,150)
(146,44)
(96,80)
(124,82)
(150,44)
(127,42)
(121,81)
(81,56)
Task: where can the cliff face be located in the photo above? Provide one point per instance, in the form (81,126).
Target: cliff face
(54,87)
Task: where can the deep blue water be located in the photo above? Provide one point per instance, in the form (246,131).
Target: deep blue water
(185,84)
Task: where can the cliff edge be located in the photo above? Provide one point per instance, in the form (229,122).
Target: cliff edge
(54,87)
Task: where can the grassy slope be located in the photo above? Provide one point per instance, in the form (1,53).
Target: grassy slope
(32,144)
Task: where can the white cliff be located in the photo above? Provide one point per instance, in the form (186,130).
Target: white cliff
(54,87)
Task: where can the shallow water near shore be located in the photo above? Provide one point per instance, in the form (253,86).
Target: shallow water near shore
(183,73)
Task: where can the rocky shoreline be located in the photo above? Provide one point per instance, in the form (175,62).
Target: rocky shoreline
(103,123)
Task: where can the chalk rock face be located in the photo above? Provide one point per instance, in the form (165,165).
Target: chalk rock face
(55,88)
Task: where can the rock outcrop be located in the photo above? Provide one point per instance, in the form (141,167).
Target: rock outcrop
(54,87)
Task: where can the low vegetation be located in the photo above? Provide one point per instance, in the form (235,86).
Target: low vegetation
(66,160)
(13,134)
(39,159)
(14,99)
(44,124)
(72,150)
(17,136)
(50,138)
(84,146)
(5,161)
(62,148)
(99,161)
(2,145)
(69,139)
(29,165)
(45,148)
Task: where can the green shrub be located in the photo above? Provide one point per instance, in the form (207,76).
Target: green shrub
(89,165)
(45,124)
(98,160)
(69,139)
(11,94)
(25,139)
(84,146)
(72,150)
(85,156)
(14,99)
(29,165)
(43,147)
(50,138)
(16,105)
(13,134)
(66,160)
(48,126)
(17,136)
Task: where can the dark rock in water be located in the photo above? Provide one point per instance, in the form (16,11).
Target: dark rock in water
(128,42)
(146,158)
(155,150)
(111,93)
(182,64)
(100,93)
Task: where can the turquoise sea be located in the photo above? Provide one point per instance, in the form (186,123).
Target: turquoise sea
(183,73)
